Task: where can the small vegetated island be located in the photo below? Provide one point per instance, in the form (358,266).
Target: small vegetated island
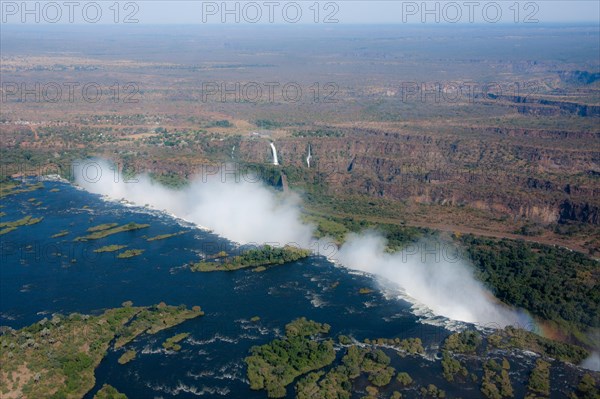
(108,229)
(127,357)
(102,227)
(275,365)
(7,227)
(173,342)
(109,392)
(110,248)
(61,233)
(258,258)
(56,358)
(11,187)
(130,253)
(165,236)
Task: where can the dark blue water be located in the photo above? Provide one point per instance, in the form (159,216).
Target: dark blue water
(41,275)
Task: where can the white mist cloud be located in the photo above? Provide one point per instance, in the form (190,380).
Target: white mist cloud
(435,278)
(592,362)
(245,211)
(249,212)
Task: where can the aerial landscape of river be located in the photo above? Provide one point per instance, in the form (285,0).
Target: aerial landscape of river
(300,199)
(44,275)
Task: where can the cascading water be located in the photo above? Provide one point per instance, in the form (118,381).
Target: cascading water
(308,157)
(274,150)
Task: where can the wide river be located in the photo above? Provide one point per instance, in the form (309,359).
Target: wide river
(41,275)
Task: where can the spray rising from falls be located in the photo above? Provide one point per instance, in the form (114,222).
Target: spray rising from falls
(246,211)
(434,274)
(274,150)
(239,208)
(592,362)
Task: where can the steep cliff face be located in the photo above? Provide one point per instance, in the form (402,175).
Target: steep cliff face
(541,106)
(539,133)
(579,77)
(494,170)
(585,212)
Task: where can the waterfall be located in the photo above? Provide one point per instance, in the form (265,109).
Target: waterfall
(275,161)
(308,157)
(232,152)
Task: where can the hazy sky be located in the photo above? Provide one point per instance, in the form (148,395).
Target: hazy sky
(299,12)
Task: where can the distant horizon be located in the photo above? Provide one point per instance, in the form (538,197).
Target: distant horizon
(591,24)
(301,12)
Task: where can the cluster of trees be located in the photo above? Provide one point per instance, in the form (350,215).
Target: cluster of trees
(268,255)
(275,365)
(496,380)
(374,362)
(586,389)
(463,342)
(338,227)
(452,367)
(220,123)
(412,346)
(337,382)
(170,179)
(399,236)
(404,379)
(318,133)
(553,283)
(304,351)
(512,337)
(178,138)
(268,124)
(369,361)
(73,366)
(432,392)
(263,256)
(539,381)
(306,328)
